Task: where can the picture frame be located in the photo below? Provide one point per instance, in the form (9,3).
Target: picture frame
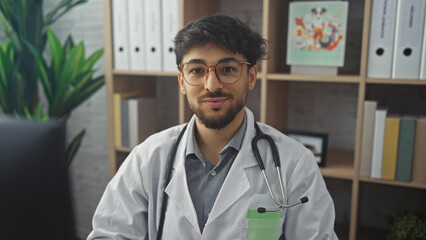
(314,141)
(317,33)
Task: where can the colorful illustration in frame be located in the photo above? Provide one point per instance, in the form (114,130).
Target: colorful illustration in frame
(317,33)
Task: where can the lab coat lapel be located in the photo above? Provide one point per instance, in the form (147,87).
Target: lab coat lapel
(236,183)
(177,189)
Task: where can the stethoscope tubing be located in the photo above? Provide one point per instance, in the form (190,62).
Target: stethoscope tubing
(169,171)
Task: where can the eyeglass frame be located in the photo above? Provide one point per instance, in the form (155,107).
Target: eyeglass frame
(182,65)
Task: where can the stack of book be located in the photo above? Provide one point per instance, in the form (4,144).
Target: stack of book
(397,44)
(135,118)
(393,147)
(143,33)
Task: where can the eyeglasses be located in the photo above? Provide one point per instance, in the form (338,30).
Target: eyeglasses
(195,73)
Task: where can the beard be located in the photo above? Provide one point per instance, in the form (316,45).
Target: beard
(219,121)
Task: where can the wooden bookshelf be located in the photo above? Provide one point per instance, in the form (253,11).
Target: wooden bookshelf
(339,164)
(275,79)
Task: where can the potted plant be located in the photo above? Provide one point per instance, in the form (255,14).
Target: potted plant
(67,80)
(406,224)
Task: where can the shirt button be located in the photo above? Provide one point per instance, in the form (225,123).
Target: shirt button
(213,173)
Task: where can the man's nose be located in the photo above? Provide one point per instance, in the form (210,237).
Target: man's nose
(212,82)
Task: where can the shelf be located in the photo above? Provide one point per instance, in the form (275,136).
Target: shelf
(123,149)
(396,81)
(315,78)
(394,183)
(339,164)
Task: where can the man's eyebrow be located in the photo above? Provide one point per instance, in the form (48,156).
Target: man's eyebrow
(198,60)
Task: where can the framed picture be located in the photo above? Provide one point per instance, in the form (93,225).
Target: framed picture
(316,142)
(317,33)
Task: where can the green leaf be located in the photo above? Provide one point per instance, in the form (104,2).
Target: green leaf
(69,44)
(81,79)
(57,53)
(9,31)
(72,64)
(93,59)
(73,147)
(27,113)
(86,92)
(43,72)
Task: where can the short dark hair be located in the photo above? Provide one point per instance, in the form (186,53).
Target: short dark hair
(223,31)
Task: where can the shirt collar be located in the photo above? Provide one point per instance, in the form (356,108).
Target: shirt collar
(235,142)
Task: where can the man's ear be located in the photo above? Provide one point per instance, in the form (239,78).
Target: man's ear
(181,83)
(252,77)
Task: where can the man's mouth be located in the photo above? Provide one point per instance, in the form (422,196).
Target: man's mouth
(215,102)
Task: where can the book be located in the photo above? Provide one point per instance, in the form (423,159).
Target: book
(317,33)
(378,141)
(405,149)
(390,148)
(118,117)
(367,137)
(125,123)
(142,119)
(419,158)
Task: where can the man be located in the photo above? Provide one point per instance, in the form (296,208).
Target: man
(216,184)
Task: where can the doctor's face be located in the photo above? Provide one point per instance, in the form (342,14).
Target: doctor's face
(218,99)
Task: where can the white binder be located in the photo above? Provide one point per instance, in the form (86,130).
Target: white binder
(170,20)
(382,33)
(120,35)
(153,35)
(378,141)
(423,58)
(408,39)
(136,35)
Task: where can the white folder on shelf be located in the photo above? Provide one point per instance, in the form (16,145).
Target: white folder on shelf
(408,39)
(120,35)
(153,35)
(136,35)
(423,58)
(170,21)
(382,33)
(378,142)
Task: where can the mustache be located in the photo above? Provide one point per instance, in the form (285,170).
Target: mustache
(215,95)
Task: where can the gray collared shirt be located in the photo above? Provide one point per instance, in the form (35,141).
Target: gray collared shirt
(203,178)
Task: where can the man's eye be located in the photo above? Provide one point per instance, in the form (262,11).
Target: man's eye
(228,69)
(196,71)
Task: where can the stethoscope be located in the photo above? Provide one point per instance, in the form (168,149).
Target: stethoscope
(259,135)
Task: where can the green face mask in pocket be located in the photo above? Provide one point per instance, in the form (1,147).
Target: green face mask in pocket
(265,226)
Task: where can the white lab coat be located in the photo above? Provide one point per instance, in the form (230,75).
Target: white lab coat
(130,206)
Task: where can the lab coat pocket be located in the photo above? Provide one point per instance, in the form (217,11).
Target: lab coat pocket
(265,226)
